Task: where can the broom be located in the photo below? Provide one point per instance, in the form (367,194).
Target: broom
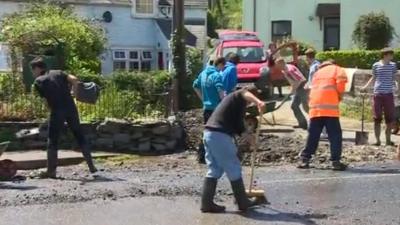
(258,194)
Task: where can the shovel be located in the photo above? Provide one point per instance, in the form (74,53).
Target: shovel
(362,136)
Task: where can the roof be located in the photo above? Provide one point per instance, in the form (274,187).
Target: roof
(191,3)
(166,29)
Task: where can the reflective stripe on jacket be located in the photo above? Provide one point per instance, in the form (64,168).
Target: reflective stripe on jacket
(328,85)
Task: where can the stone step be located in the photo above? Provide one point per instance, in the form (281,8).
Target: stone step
(36,159)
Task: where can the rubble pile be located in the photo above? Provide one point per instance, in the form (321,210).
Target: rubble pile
(274,149)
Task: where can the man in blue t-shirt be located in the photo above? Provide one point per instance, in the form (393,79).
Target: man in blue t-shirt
(210,89)
(230,75)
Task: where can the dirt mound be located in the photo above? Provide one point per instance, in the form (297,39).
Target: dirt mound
(274,149)
(282,150)
(192,122)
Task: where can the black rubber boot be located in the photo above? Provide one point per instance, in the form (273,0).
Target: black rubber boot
(52,160)
(338,166)
(377,130)
(207,199)
(388,135)
(239,192)
(88,158)
(303,164)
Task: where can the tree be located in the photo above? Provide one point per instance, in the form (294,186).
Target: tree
(42,26)
(225,14)
(373,31)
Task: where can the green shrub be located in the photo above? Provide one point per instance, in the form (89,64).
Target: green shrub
(42,25)
(362,59)
(86,75)
(373,31)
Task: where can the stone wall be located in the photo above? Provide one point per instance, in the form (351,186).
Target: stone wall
(111,135)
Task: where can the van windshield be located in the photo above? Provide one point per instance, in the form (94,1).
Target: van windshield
(247,54)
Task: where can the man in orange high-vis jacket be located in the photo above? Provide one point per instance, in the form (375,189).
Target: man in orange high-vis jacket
(328,86)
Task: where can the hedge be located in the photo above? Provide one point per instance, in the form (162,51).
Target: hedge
(361,59)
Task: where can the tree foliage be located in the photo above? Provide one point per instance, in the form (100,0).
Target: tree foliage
(42,26)
(373,31)
(225,14)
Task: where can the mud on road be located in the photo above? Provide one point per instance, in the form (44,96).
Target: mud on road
(167,176)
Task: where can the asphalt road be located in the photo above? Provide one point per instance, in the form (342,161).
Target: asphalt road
(362,195)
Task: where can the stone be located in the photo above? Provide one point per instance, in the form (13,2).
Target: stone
(121,138)
(159,147)
(159,140)
(136,135)
(144,146)
(176,132)
(111,125)
(32,144)
(105,142)
(171,145)
(144,139)
(161,130)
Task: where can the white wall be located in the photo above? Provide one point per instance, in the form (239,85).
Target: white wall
(304,29)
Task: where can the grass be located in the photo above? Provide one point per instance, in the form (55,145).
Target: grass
(353,109)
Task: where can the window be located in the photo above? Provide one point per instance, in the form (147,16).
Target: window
(281,29)
(144,7)
(133,60)
(246,54)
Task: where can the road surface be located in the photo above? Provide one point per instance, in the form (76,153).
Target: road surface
(365,194)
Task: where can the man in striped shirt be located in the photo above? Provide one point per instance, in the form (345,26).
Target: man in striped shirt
(383,76)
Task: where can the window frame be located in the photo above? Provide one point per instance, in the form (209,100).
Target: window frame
(275,36)
(141,14)
(139,60)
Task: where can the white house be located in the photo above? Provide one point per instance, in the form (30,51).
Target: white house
(138,31)
(325,24)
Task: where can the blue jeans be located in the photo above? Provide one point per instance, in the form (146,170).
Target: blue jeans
(221,156)
(332,125)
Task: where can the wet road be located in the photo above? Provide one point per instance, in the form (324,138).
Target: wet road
(362,195)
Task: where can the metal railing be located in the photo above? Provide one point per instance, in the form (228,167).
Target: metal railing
(18,105)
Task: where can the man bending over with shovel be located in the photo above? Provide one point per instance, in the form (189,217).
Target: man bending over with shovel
(221,151)
(54,86)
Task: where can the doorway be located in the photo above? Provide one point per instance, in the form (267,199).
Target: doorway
(332,33)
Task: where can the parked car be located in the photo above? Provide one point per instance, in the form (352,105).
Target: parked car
(255,66)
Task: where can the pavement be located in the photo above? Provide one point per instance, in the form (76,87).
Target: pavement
(35,159)
(363,195)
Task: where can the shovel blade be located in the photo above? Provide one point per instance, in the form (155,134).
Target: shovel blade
(361,138)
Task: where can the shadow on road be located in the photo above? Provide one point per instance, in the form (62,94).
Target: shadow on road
(95,179)
(16,187)
(373,171)
(278,216)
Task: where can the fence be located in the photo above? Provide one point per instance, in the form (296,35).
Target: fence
(17,105)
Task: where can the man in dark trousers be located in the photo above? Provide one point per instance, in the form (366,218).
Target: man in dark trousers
(221,151)
(54,86)
(210,89)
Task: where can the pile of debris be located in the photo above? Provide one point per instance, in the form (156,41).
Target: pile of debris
(192,122)
(276,149)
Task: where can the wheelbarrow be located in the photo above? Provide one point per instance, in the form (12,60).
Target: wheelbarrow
(270,107)
(8,168)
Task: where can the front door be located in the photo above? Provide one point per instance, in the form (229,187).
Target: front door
(332,33)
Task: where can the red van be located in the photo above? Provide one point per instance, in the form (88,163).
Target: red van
(254,63)
(250,50)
